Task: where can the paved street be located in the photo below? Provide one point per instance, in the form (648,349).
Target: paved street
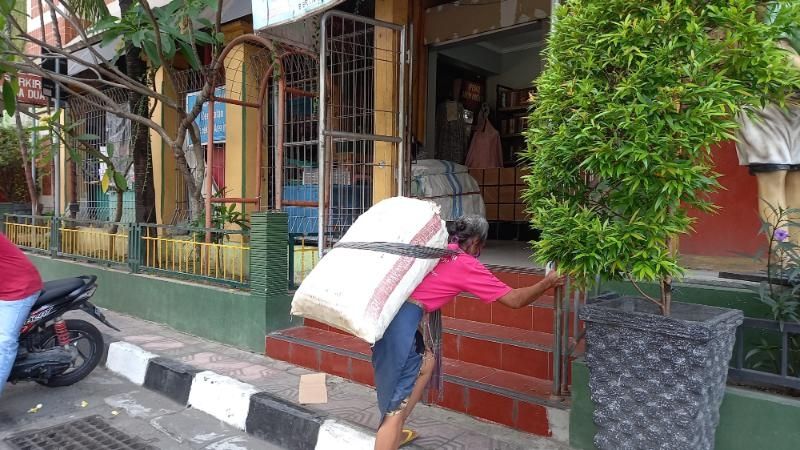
(133,410)
(166,425)
(438,428)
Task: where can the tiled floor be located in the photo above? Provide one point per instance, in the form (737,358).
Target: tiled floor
(519,255)
(438,428)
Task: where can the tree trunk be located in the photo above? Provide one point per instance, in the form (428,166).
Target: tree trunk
(192,179)
(33,192)
(119,204)
(145,197)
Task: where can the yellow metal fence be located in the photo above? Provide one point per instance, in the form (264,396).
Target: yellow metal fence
(34,235)
(95,243)
(227,261)
(178,251)
(303,257)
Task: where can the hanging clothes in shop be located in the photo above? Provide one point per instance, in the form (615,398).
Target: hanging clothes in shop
(452,133)
(485,150)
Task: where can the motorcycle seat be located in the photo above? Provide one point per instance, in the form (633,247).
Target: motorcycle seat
(53,290)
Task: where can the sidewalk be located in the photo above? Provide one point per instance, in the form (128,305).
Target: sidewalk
(352,402)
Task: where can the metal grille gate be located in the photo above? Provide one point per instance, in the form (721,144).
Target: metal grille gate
(362,85)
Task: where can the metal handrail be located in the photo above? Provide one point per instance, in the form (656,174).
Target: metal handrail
(565,337)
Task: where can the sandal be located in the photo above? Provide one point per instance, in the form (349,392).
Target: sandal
(408,437)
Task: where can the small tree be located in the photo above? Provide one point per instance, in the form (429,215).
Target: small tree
(13,188)
(634,96)
(78,150)
(166,38)
(8,74)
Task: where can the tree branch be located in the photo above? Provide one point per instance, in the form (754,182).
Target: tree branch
(642,293)
(108,104)
(99,59)
(188,118)
(117,76)
(62,133)
(169,71)
(54,19)
(41,21)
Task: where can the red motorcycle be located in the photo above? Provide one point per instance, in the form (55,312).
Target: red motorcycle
(54,351)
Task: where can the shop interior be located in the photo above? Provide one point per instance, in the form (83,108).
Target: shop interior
(481,87)
(492,74)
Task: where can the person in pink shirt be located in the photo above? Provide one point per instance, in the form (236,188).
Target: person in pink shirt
(408,358)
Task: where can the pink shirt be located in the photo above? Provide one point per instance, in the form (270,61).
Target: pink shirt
(450,277)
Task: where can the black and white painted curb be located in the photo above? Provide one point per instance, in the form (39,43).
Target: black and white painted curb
(238,404)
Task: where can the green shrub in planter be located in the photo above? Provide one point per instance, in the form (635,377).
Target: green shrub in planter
(632,100)
(634,96)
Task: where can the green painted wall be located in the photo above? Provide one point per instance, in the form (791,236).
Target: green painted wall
(749,420)
(581,426)
(743,299)
(224,315)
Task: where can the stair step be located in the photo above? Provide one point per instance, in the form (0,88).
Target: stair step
(520,351)
(536,317)
(512,349)
(493,394)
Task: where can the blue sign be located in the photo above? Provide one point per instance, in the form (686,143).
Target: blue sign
(202,119)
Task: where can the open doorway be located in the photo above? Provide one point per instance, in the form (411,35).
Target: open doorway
(488,80)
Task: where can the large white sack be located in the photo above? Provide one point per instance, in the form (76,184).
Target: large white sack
(360,291)
(460,205)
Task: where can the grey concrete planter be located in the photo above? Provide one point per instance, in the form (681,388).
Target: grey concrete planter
(657,382)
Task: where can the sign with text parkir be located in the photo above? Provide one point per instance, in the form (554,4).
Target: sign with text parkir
(30,90)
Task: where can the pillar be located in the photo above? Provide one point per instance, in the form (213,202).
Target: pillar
(387,94)
(241,128)
(165,176)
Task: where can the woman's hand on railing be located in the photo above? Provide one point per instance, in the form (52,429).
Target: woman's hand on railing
(554,279)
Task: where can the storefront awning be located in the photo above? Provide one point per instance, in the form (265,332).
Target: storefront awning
(106,52)
(463,20)
(269,13)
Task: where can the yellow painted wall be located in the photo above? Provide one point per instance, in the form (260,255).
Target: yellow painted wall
(387,89)
(164,174)
(241,152)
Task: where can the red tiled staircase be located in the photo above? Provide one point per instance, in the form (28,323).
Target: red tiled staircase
(498,362)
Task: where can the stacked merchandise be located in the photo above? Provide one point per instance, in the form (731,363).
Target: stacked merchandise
(502,193)
(449,185)
(347,192)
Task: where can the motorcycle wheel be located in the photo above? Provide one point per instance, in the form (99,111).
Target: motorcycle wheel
(87,340)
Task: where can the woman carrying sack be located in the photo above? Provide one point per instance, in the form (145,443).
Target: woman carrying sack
(408,357)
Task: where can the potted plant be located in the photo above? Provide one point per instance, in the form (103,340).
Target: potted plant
(633,98)
(779,291)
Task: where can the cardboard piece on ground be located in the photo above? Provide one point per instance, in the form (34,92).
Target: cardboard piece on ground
(312,389)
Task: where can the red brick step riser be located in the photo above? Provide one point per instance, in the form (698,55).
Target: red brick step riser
(484,350)
(465,396)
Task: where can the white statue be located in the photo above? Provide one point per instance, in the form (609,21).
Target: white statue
(769,144)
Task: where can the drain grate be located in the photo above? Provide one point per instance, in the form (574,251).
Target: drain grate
(90,433)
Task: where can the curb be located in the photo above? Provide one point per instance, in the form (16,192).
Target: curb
(240,405)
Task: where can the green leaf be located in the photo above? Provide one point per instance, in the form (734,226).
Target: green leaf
(168,45)
(120,181)
(9,98)
(151,52)
(88,137)
(105,181)
(188,52)
(203,37)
